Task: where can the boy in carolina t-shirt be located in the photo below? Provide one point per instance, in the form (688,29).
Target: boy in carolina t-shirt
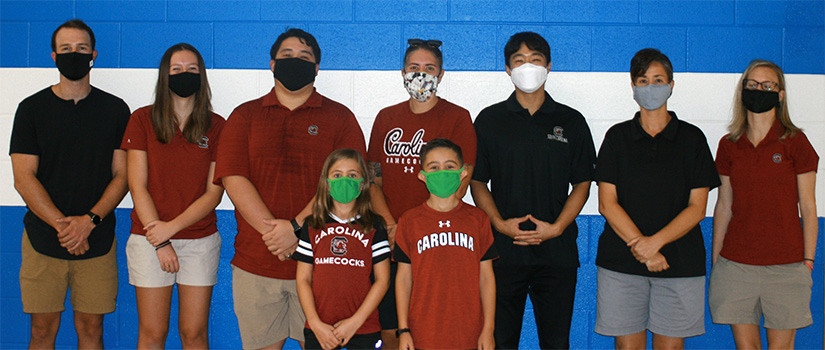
(445,288)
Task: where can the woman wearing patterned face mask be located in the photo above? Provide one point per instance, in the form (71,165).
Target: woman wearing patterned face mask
(654,174)
(762,256)
(397,135)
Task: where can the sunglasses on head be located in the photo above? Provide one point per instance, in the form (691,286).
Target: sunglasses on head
(419,42)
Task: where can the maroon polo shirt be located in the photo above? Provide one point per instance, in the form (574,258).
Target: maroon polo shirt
(281,152)
(177,171)
(765,227)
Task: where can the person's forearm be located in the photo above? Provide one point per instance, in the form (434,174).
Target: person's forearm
(806,184)
(199,209)
(117,188)
(403,291)
(722,215)
(574,204)
(484,200)
(619,221)
(303,286)
(379,287)
(37,199)
(248,202)
(487,282)
(687,219)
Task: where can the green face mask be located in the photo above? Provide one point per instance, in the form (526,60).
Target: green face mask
(344,189)
(443,183)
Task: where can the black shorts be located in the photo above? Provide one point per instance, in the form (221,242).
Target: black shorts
(387,313)
(358,341)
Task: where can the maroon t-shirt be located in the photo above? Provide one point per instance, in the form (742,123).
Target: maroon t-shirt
(342,258)
(445,250)
(396,139)
(281,152)
(765,228)
(177,171)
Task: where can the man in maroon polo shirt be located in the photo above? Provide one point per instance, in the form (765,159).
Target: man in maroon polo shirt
(269,160)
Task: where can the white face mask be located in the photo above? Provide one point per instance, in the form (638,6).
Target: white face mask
(421,86)
(528,77)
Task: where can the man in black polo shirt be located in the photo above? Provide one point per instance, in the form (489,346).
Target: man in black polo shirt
(532,149)
(71,173)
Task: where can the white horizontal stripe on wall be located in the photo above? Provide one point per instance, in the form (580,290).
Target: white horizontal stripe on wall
(703,99)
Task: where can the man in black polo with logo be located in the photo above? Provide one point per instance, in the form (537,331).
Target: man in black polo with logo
(70,171)
(531,149)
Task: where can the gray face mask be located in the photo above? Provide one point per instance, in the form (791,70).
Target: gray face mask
(651,97)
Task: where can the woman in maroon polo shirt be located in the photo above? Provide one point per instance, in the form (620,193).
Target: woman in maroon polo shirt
(762,256)
(170,162)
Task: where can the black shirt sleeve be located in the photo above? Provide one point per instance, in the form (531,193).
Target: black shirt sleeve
(606,169)
(380,245)
(23,132)
(399,255)
(122,116)
(304,251)
(704,169)
(491,253)
(481,171)
(583,156)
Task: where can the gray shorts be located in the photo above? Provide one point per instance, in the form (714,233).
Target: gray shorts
(742,294)
(268,309)
(628,304)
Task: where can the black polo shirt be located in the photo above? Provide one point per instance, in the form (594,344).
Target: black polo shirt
(74,143)
(653,178)
(530,162)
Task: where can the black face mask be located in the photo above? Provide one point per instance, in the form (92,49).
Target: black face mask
(759,101)
(74,65)
(185,84)
(294,73)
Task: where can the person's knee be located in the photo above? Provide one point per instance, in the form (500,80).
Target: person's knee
(89,325)
(44,328)
(193,336)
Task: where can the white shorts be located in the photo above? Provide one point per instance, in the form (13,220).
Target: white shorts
(198,260)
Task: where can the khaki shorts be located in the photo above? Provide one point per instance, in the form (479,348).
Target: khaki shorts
(198,259)
(742,294)
(268,309)
(44,281)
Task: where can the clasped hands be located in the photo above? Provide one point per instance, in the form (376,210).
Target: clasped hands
(530,235)
(280,239)
(646,250)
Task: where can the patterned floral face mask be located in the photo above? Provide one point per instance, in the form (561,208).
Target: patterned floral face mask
(420,85)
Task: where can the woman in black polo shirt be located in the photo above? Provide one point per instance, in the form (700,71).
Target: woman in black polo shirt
(654,174)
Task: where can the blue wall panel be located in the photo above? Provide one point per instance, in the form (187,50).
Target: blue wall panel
(687,12)
(611,11)
(410,11)
(36,10)
(708,36)
(498,11)
(121,11)
(14,50)
(163,35)
(213,10)
(302,10)
(722,49)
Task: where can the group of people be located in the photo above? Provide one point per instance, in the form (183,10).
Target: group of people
(381,250)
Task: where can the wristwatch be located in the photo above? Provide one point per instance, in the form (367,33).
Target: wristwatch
(95,219)
(400,331)
(295,227)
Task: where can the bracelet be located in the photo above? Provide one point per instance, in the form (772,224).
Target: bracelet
(809,264)
(401,331)
(165,243)
(806,259)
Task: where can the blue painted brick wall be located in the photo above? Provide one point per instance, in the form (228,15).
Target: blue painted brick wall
(121,326)
(698,35)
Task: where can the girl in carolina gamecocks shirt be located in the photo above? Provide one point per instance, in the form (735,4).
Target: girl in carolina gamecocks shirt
(342,244)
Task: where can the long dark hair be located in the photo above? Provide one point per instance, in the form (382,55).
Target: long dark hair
(163,110)
(322,204)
